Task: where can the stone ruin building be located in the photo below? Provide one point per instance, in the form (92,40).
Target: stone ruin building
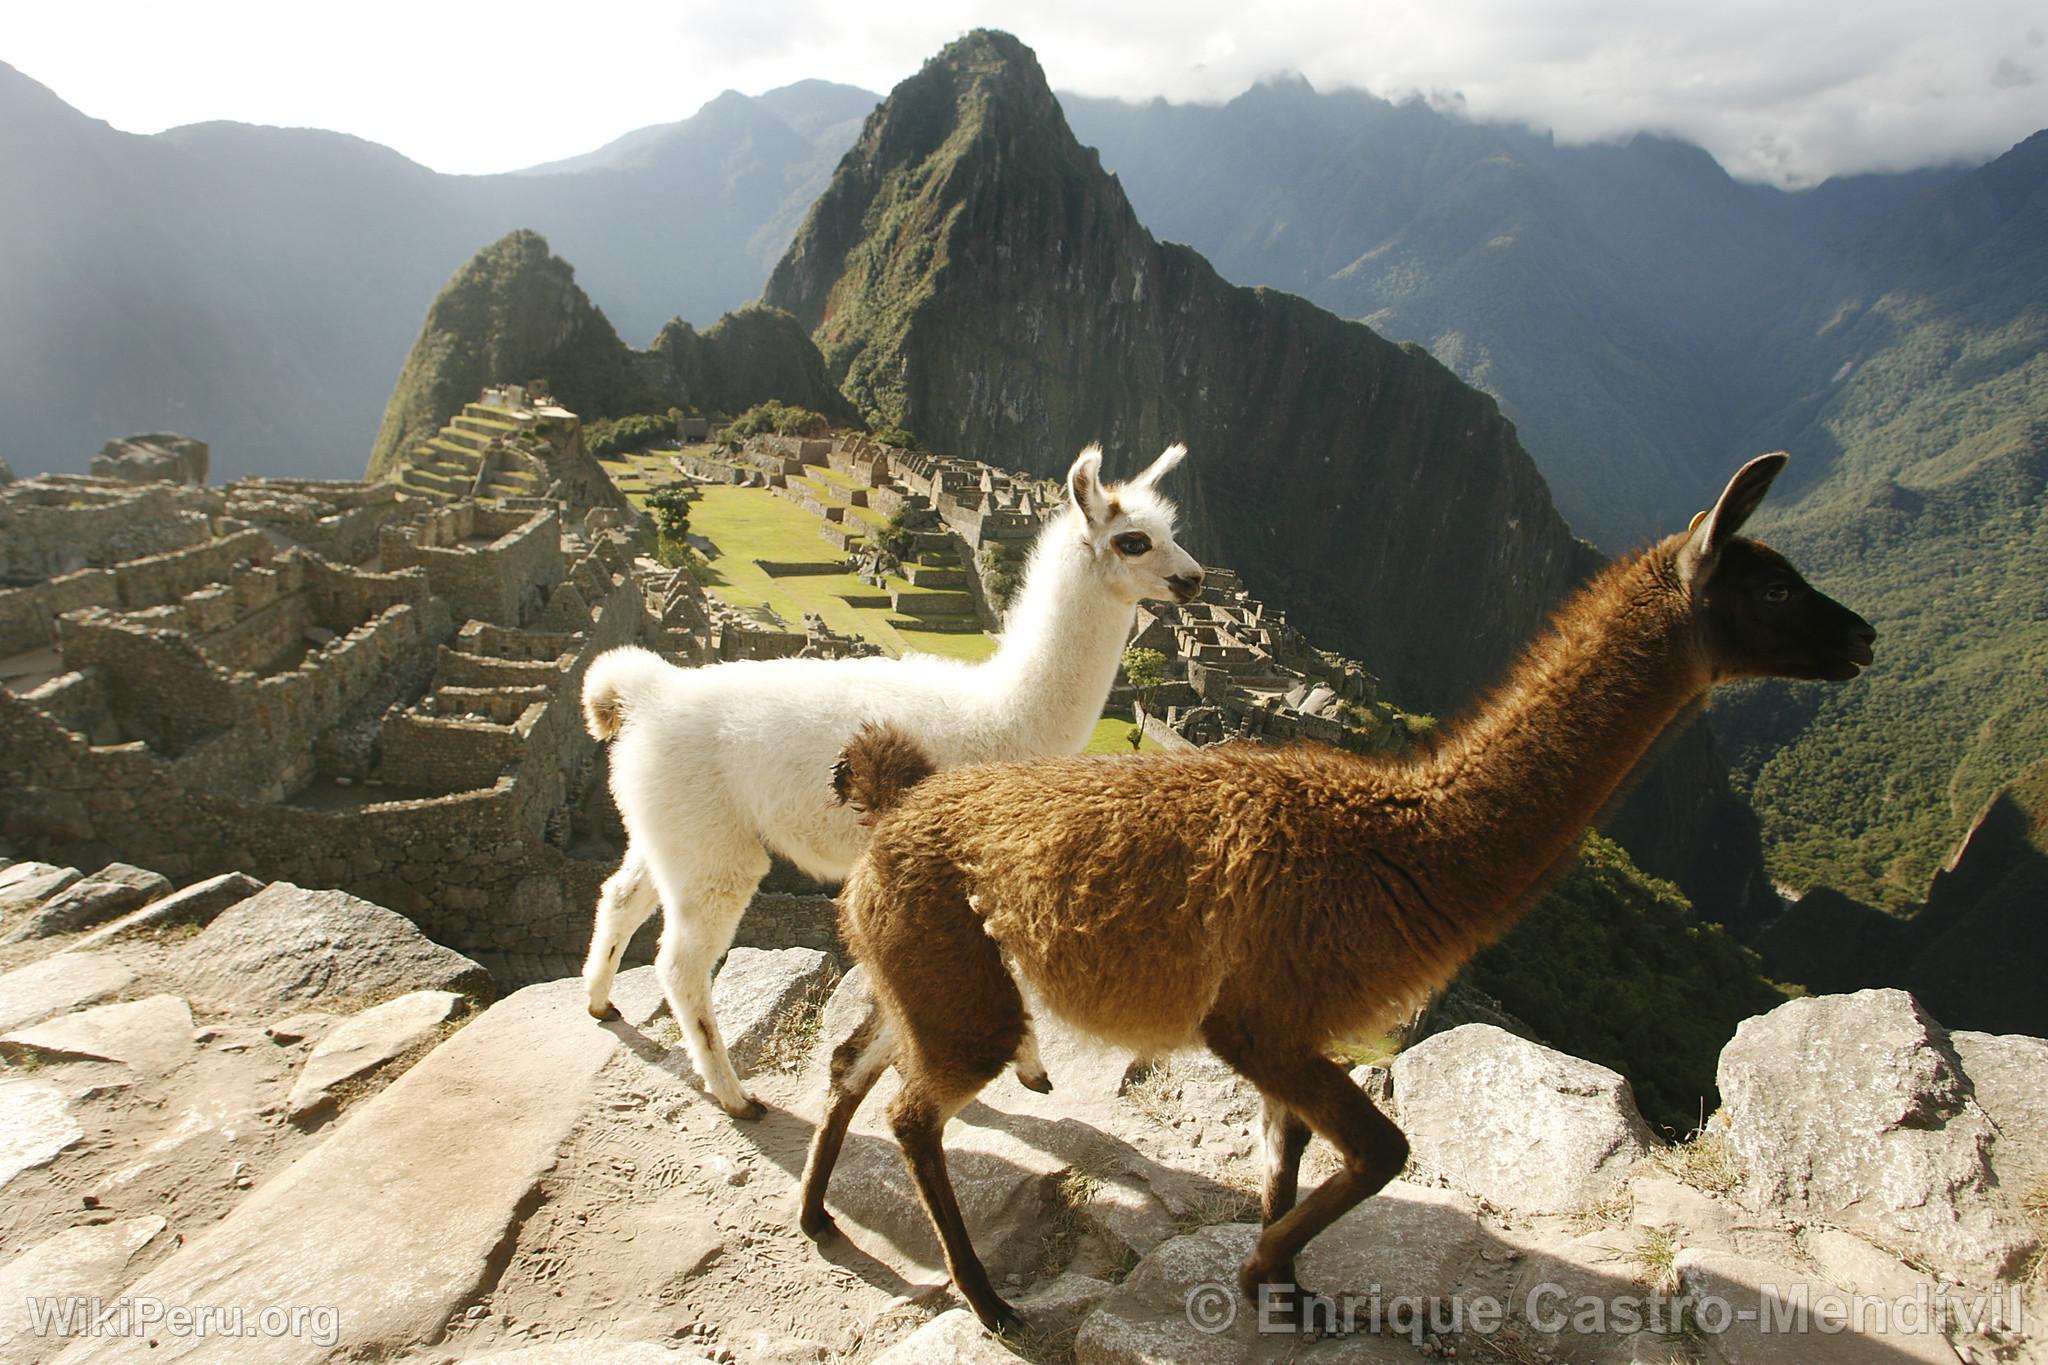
(1237,670)
(514,441)
(339,684)
(376,688)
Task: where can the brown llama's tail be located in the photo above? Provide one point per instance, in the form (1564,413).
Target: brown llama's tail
(878,765)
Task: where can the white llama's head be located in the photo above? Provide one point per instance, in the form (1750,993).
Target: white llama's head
(1127,529)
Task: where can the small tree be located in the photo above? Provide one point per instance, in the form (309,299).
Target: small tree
(1144,669)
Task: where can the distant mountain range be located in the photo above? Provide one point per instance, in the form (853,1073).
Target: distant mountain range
(260,286)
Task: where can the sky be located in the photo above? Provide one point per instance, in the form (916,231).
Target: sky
(1785,91)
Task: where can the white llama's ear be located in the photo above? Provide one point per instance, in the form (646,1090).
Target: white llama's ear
(1715,528)
(1084,486)
(1161,467)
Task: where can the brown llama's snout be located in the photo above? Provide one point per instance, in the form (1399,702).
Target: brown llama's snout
(879,764)
(1768,621)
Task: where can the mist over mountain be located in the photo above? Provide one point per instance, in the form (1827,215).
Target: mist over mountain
(1606,295)
(262,285)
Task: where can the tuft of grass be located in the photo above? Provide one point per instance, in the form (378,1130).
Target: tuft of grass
(1066,1223)
(1235,1199)
(1612,1210)
(1657,1254)
(1705,1163)
(794,1035)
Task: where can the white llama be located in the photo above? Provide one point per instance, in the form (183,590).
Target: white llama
(715,766)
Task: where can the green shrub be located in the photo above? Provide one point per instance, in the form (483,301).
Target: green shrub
(897,437)
(627,433)
(671,507)
(782,419)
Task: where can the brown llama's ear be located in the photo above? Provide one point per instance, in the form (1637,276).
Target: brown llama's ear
(1715,528)
(1161,467)
(1084,486)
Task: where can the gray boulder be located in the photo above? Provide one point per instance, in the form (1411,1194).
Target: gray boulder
(196,904)
(152,457)
(1517,1123)
(756,989)
(31,883)
(287,945)
(1854,1109)
(2009,1074)
(954,1337)
(114,890)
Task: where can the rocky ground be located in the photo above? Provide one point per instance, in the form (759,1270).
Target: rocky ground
(288,1103)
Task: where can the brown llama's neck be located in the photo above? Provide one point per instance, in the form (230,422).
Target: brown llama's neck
(1521,779)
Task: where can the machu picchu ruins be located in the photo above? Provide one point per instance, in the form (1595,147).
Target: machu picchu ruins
(372,686)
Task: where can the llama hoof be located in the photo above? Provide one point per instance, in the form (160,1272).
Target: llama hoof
(606,1014)
(821,1228)
(1002,1319)
(1288,1306)
(752,1110)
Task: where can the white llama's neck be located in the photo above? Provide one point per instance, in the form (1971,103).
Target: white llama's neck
(1062,642)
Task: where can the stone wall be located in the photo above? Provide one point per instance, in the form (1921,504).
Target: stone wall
(489,564)
(57,523)
(28,615)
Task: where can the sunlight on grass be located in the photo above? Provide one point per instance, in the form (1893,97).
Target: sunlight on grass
(1110,737)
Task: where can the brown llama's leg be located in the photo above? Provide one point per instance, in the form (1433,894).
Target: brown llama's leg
(1318,1092)
(960,1020)
(919,1124)
(857,1064)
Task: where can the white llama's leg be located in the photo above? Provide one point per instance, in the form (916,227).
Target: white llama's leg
(700,912)
(623,906)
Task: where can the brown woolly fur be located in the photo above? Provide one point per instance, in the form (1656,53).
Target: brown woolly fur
(1267,901)
(880,764)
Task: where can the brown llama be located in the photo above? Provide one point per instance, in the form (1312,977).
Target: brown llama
(1266,902)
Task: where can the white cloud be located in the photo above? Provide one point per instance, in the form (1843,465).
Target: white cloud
(1793,90)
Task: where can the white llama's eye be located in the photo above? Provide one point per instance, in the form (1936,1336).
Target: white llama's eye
(1132,543)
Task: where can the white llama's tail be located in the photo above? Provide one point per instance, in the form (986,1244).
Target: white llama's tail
(617,682)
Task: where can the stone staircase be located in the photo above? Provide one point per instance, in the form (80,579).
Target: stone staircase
(446,467)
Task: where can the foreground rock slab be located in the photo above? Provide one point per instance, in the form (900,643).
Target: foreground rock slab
(367,1042)
(287,944)
(63,981)
(953,1336)
(79,1263)
(394,1222)
(151,1035)
(1522,1125)
(35,1125)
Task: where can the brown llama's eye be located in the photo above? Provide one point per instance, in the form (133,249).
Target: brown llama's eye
(1132,543)
(1776,593)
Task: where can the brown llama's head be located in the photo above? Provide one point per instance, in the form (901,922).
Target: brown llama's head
(1126,529)
(1757,616)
